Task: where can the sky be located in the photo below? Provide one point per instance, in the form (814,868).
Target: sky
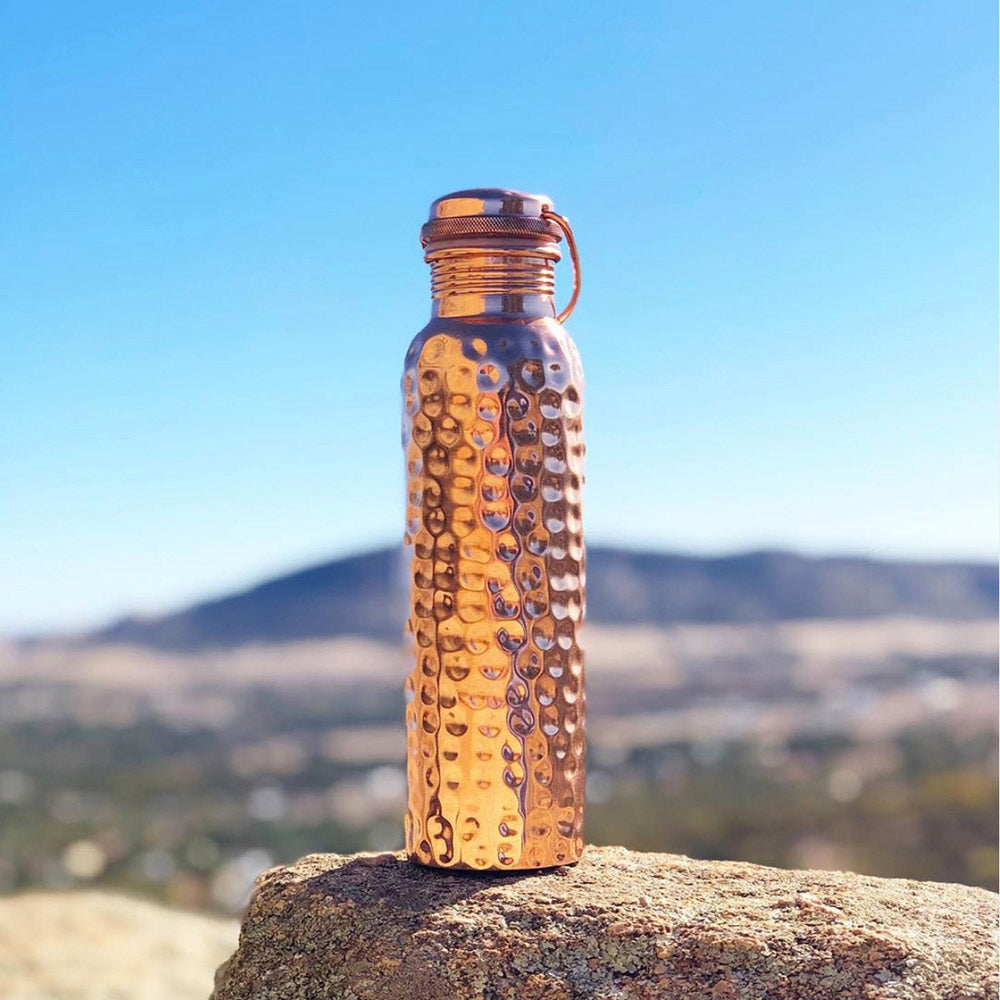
(210,272)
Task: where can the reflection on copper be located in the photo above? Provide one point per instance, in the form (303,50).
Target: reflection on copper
(494,452)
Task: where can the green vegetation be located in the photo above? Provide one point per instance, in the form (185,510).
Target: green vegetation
(190,813)
(923,806)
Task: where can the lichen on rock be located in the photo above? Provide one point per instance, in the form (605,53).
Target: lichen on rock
(619,925)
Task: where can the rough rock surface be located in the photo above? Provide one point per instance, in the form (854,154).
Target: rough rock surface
(97,946)
(618,925)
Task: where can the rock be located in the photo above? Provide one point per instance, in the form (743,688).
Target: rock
(617,926)
(97,946)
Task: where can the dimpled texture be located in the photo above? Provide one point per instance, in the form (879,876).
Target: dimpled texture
(495,701)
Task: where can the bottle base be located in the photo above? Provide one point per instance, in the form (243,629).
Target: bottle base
(493,869)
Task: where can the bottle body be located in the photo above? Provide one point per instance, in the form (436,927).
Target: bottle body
(495,701)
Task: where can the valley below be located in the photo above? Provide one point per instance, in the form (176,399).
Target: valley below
(859,743)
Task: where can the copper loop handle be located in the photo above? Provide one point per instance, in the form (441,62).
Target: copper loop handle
(563,224)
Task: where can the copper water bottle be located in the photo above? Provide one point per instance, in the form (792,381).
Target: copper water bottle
(494,454)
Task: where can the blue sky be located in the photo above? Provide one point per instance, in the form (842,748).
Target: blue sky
(209,252)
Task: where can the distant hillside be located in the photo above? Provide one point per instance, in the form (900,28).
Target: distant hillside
(366,594)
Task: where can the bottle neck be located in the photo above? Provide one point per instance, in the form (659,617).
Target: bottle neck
(495,281)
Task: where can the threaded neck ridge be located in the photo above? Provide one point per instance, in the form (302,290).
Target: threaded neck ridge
(467,281)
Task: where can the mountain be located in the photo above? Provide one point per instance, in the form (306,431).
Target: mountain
(366,595)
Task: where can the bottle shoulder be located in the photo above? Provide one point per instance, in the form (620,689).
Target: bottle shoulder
(496,339)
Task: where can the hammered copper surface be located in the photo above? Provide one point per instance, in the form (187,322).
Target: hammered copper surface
(494,451)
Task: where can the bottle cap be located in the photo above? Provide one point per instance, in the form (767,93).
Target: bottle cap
(482,213)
